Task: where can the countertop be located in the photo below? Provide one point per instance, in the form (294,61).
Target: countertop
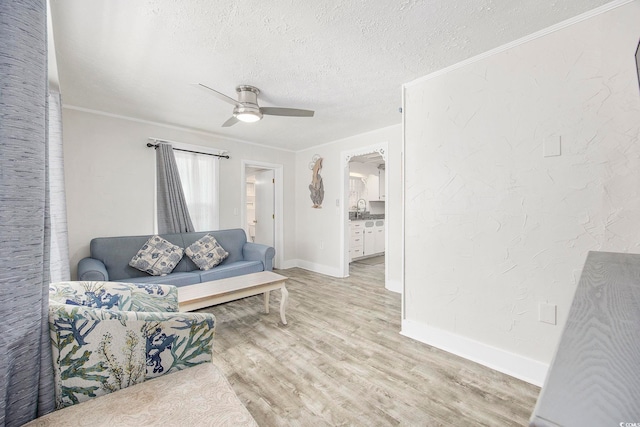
(365,217)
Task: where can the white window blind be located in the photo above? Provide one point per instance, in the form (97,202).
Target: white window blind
(199,176)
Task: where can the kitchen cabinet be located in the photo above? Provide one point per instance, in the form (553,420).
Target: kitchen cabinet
(378,231)
(373,187)
(366,238)
(369,237)
(356,242)
(381,177)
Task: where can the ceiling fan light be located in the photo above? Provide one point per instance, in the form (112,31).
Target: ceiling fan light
(248,116)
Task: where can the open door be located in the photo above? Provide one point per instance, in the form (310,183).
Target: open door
(265,207)
(375,193)
(261,203)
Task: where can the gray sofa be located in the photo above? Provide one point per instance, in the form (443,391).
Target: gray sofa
(110,256)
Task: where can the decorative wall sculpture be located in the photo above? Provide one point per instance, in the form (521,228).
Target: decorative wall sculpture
(638,62)
(316,187)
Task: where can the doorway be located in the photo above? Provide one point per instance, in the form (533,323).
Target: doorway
(262,205)
(364,210)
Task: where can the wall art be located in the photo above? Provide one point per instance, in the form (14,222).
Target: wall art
(316,187)
(638,62)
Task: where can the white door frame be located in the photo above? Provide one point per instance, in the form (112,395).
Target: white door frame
(345,156)
(278,204)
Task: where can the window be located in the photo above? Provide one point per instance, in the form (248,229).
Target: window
(199,176)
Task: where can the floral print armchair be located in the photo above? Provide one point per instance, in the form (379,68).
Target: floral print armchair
(106,336)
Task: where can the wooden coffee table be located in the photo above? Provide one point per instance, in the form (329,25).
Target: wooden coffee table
(200,295)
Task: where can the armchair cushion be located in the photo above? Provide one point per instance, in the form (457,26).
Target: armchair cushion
(116,296)
(97,350)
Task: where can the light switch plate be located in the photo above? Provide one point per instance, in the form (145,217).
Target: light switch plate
(547,313)
(551,146)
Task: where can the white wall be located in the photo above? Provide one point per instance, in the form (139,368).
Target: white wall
(493,227)
(110,176)
(318,230)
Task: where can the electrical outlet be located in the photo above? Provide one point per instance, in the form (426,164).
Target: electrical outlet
(321,244)
(551,146)
(547,313)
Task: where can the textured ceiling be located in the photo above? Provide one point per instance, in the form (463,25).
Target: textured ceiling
(344,59)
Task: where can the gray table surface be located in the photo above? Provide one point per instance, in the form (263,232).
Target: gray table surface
(594,378)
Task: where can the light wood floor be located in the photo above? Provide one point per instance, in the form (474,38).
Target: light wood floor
(341,361)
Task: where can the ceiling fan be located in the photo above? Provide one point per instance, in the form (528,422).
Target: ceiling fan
(246,108)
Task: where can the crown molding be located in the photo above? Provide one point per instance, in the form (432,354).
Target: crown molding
(168,126)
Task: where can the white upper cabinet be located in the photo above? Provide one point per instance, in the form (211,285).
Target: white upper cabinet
(373,187)
(366,181)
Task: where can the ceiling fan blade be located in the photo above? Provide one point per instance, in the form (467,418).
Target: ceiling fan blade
(220,96)
(232,121)
(292,112)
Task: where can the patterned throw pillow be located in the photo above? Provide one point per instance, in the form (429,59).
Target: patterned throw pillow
(157,257)
(206,253)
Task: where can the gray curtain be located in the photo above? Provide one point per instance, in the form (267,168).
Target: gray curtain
(26,376)
(59,262)
(173,215)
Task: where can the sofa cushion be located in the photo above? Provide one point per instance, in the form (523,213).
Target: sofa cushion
(175,279)
(231,240)
(116,252)
(206,252)
(157,257)
(230,270)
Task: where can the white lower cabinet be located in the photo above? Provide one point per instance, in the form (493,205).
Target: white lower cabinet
(356,244)
(367,238)
(378,231)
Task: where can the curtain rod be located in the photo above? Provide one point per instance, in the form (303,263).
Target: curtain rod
(222,156)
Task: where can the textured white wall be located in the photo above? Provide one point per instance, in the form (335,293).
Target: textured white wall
(110,175)
(493,227)
(318,230)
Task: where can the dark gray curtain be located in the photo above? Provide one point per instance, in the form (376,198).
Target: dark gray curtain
(173,215)
(26,376)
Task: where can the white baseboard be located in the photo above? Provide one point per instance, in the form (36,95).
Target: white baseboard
(391,285)
(512,364)
(394,286)
(312,266)
(290,263)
